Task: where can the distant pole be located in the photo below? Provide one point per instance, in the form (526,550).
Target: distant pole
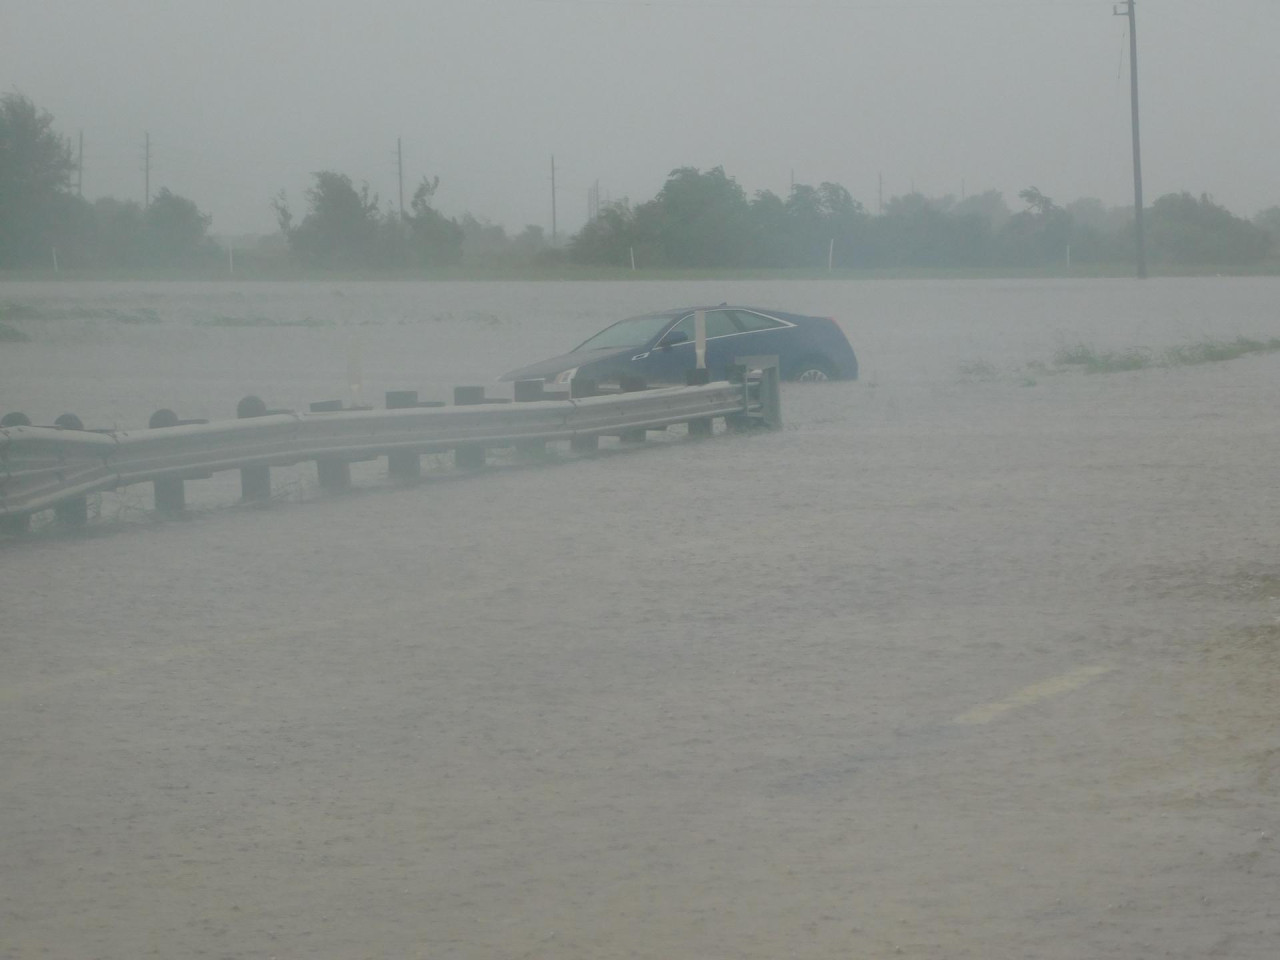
(146,176)
(400,175)
(793,182)
(962,188)
(633,259)
(1128,8)
(831,254)
(80,168)
(880,196)
(553,199)
(55,259)
(231,258)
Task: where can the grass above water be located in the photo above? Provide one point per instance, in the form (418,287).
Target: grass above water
(1140,358)
(1088,358)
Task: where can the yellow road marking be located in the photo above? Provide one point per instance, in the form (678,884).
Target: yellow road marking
(1029,695)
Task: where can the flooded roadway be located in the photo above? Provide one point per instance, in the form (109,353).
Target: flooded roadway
(954,666)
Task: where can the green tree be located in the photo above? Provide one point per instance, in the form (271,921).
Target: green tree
(176,231)
(607,239)
(35,177)
(434,239)
(1269,221)
(698,219)
(1037,236)
(1184,230)
(341,226)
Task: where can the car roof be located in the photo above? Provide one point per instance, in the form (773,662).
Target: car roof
(683,311)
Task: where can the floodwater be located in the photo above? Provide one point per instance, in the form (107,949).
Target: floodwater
(976,658)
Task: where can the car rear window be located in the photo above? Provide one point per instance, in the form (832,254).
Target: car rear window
(756,321)
(719,324)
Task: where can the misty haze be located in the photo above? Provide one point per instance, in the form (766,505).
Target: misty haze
(901,580)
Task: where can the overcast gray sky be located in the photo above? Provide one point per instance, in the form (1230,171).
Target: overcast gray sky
(244,98)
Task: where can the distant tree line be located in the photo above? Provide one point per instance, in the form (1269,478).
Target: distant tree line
(706,220)
(42,216)
(698,220)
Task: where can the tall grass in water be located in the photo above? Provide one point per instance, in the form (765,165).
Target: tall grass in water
(1103,361)
(1213,351)
(1087,358)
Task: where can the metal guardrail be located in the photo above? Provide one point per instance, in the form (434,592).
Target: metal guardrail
(56,467)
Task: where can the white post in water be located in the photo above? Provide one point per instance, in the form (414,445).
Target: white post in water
(355,373)
(633,258)
(831,254)
(700,338)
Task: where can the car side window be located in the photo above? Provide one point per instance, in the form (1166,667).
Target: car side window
(754,321)
(685,326)
(719,324)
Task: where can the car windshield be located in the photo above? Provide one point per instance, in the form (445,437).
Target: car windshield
(635,332)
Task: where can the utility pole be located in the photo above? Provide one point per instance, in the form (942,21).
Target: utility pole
(146,176)
(80,168)
(1127,9)
(400,176)
(553,199)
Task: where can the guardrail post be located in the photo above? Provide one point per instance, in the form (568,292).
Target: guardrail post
(699,377)
(255,482)
(403,464)
(334,474)
(631,385)
(767,390)
(528,391)
(15,523)
(468,456)
(73,512)
(170,493)
(583,387)
(771,398)
(734,422)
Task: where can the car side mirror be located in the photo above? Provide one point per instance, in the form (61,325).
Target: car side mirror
(672,338)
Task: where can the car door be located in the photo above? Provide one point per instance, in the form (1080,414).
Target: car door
(763,335)
(724,342)
(670,363)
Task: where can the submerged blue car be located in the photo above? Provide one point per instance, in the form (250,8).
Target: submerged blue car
(659,348)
